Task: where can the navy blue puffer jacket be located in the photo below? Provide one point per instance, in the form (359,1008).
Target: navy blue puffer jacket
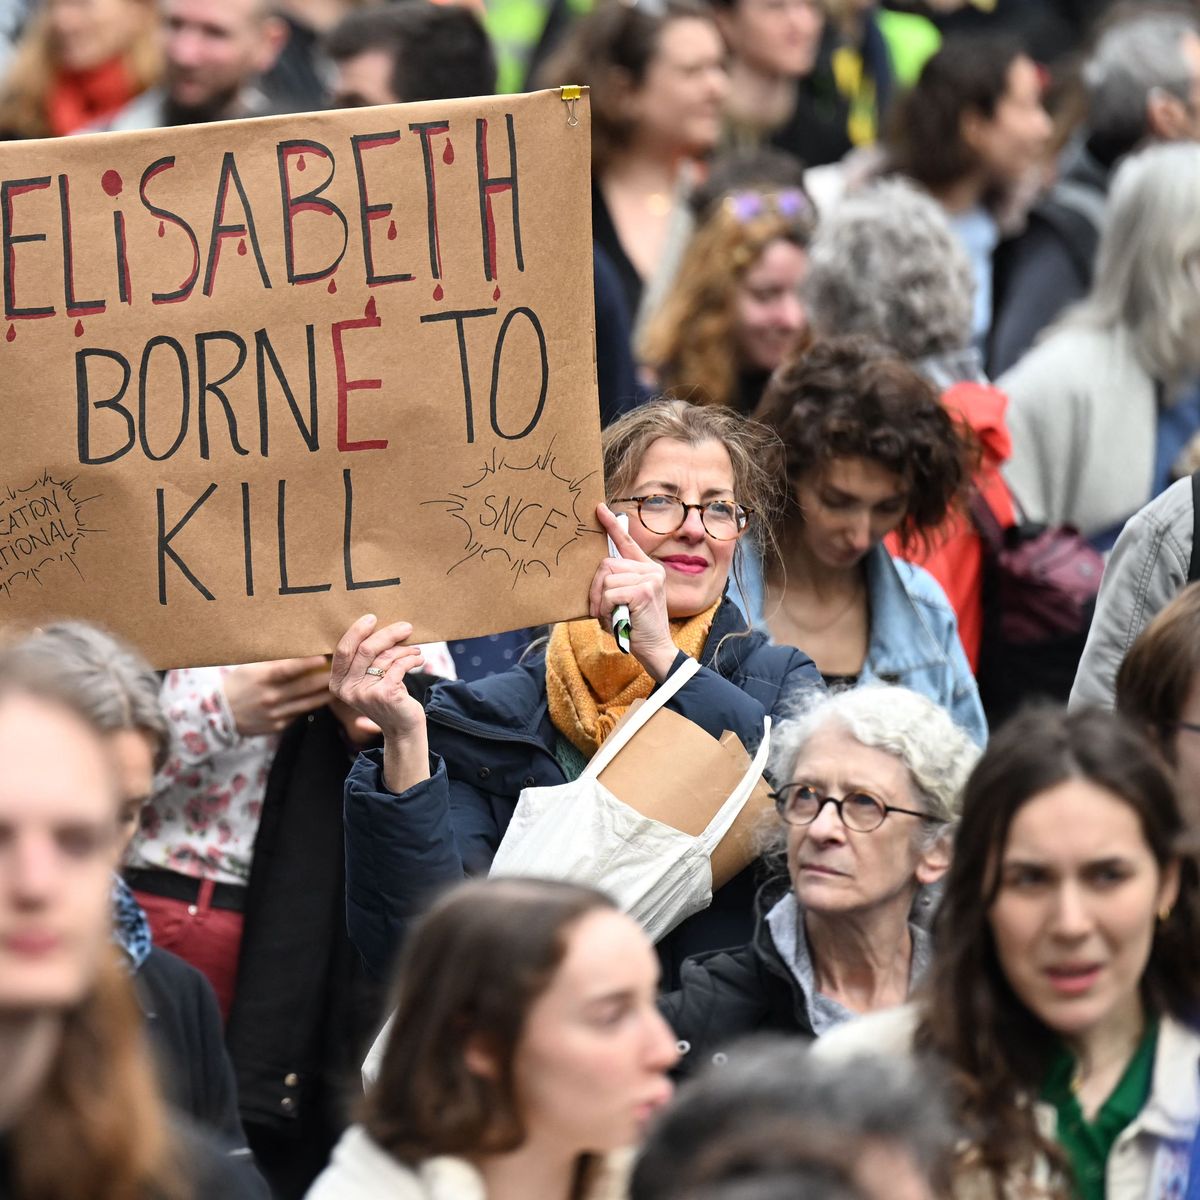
(490,739)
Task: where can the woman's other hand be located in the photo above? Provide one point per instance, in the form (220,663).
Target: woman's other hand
(265,697)
(637,581)
(369,666)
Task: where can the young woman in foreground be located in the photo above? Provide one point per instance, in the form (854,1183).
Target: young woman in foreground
(526,1050)
(1065,990)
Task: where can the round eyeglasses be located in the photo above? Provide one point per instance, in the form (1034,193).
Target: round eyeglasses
(801,804)
(722,519)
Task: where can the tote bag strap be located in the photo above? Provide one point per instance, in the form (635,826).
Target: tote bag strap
(729,812)
(612,746)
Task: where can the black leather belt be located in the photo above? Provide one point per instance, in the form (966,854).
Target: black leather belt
(174,886)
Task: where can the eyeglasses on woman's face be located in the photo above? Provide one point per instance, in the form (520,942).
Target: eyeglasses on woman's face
(801,804)
(723,520)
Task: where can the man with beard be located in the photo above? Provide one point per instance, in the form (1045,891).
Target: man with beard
(215,52)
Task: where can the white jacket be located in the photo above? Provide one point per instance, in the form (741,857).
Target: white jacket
(362,1170)
(1149,1160)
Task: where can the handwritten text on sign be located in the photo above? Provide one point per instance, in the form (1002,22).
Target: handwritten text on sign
(252,369)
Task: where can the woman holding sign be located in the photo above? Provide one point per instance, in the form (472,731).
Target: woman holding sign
(434,803)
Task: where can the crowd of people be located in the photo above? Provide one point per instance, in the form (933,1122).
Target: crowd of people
(897,326)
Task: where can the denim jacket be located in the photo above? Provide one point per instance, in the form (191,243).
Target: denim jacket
(914,640)
(914,634)
(1147,569)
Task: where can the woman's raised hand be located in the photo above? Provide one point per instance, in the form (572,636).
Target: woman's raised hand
(637,581)
(369,666)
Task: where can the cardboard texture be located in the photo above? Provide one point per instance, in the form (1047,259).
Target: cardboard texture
(261,377)
(676,773)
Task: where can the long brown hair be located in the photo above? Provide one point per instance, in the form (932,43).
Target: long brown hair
(97,1127)
(471,969)
(1156,676)
(971,1018)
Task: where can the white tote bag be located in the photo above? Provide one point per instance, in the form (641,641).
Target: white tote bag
(580,831)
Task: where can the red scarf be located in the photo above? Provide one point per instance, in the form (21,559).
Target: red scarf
(80,98)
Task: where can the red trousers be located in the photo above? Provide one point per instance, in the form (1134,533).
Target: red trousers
(208,938)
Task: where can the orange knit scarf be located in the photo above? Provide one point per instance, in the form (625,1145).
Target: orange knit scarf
(590,683)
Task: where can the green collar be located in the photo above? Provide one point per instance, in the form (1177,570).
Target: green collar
(1088,1143)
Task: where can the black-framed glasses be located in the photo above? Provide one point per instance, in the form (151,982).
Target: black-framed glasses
(801,804)
(723,519)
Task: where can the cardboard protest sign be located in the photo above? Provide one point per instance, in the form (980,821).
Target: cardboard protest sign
(261,377)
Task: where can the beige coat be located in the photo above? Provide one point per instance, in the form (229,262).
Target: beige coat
(361,1170)
(1150,1158)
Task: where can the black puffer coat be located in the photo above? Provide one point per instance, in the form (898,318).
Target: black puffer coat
(726,994)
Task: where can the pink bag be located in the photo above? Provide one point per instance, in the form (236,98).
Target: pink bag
(1042,581)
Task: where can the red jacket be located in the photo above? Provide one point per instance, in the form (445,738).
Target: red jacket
(955,556)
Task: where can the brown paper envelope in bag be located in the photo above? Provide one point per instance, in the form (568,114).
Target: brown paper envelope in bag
(675,772)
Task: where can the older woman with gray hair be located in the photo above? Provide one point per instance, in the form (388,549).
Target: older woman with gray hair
(866,827)
(886,263)
(119,690)
(1105,407)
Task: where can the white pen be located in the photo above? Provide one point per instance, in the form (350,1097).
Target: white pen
(620,614)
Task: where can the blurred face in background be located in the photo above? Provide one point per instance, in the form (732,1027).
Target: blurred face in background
(678,105)
(1186,754)
(775,37)
(58,849)
(215,48)
(364,79)
(1015,139)
(849,507)
(87,33)
(132,753)
(769,315)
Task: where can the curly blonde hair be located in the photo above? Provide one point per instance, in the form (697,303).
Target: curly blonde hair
(690,341)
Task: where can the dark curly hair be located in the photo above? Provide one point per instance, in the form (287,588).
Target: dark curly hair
(970,1017)
(851,397)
